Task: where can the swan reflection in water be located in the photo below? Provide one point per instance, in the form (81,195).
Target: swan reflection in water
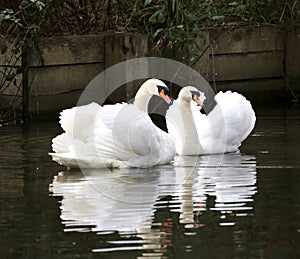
(129,200)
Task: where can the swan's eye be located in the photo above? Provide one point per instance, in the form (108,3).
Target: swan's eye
(195,93)
(166,89)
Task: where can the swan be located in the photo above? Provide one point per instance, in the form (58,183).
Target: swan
(221,131)
(114,136)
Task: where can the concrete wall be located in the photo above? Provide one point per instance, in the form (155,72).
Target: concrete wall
(292,63)
(250,61)
(68,64)
(256,62)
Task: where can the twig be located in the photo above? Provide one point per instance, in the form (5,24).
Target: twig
(283,11)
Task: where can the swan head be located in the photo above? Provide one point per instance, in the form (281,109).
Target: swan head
(191,93)
(148,89)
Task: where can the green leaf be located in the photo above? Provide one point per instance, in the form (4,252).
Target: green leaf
(36,55)
(20,70)
(189,44)
(192,17)
(174,5)
(194,58)
(10,77)
(233,4)
(154,17)
(203,17)
(33,26)
(17,21)
(241,8)
(3,47)
(158,32)
(8,11)
(147,2)
(196,28)
(161,17)
(218,18)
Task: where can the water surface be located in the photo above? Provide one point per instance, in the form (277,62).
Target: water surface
(241,205)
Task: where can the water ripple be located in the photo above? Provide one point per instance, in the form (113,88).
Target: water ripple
(130,201)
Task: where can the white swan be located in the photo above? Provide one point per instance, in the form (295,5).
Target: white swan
(222,130)
(114,136)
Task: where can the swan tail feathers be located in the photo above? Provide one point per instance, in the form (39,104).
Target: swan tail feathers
(77,121)
(237,115)
(61,143)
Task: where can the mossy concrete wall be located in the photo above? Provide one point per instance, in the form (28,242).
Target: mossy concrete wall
(56,80)
(255,61)
(292,63)
(249,60)
(67,65)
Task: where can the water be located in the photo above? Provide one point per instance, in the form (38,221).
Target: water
(242,205)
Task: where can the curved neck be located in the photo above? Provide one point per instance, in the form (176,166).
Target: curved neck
(187,117)
(141,102)
(190,144)
(157,109)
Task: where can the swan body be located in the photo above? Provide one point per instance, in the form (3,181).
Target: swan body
(114,136)
(221,131)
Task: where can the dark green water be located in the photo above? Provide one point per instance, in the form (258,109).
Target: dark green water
(243,205)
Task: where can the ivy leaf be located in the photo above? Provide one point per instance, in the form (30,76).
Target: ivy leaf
(161,17)
(157,17)
(194,58)
(3,47)
(10,77)
(36,55)
(33,26)
(17,21)
(152,18)
(189,44)
(8,11)
(241,8)
(147,2)
(218,18)
(196,28)
(158,32)
(174,5)
(233,4)
(15,82)
(20,70)
(192,17)
(203,17)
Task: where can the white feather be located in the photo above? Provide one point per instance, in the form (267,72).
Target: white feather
(119,135)
(222,130)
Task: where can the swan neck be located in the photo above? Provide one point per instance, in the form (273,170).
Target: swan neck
(190,134)
(141,102)
(185,107)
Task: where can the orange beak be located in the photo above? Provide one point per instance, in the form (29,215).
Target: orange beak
(197,100)
(165,96)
